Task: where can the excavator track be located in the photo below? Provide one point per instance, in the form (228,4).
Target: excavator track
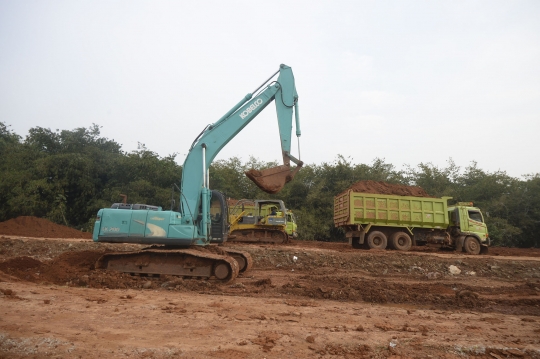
(244,260)
(263,235)
(191,263)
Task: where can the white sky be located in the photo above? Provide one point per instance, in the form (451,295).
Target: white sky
(407,81)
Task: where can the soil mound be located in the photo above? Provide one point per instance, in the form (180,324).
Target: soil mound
(28,226)
(387,188)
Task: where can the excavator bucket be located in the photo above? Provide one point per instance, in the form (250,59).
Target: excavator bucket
(273,179)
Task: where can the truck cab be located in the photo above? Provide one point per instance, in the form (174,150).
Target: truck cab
(291,226)
(469,221)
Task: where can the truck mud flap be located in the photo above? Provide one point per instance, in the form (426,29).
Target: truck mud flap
(356,239)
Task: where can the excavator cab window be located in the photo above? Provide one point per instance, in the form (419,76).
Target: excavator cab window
(218,218)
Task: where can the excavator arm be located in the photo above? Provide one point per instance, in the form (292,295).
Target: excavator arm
(215,136)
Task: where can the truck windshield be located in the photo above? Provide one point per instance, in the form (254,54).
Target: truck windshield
(475,216)
(290,217)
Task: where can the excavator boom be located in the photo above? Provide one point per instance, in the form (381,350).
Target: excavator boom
(215,136)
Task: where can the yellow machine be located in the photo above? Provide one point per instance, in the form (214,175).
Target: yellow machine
(261,221)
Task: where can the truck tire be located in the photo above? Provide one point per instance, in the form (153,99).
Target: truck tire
(400,241)
(471,245)
(377,240)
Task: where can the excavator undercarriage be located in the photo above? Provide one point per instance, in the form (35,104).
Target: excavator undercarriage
(196,262)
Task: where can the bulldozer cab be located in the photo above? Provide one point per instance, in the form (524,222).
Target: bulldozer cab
(270,212)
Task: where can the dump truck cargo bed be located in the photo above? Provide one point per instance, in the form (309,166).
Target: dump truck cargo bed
(352,208)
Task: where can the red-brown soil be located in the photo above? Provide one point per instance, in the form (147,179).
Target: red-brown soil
(334,302)
(28,226)
(387,188)
(301,300)
(430,248)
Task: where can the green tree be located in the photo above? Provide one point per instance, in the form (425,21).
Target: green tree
(67,176)
(435,181)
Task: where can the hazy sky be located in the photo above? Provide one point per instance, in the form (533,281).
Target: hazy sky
(406,81)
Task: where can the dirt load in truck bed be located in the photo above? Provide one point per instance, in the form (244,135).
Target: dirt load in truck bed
(301,300)
(387,188)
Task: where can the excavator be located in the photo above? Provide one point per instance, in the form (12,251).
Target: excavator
(180,241)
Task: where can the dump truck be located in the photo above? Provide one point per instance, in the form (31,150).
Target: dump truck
(261,221)
(399,222)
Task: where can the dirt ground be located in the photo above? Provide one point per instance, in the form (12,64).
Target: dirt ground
(306,299)
(301,300)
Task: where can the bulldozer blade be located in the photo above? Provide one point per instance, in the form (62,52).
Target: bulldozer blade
(273,179)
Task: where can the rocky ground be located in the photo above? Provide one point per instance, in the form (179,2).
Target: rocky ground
(301,300)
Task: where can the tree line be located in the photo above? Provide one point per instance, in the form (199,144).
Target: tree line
(67,176)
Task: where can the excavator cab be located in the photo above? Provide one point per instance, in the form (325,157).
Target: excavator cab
(219,223)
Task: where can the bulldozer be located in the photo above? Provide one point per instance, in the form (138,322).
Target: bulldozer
(261,221)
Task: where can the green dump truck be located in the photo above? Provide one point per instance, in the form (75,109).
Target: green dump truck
(399,222)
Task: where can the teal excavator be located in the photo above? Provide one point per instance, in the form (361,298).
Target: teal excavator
(179,241)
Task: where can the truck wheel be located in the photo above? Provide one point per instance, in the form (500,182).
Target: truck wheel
(401,241)
(471,245)
(376,240)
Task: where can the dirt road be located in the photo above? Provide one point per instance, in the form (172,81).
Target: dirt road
(303,300)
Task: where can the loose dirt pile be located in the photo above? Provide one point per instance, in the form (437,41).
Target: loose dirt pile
(28,226)
(387,188)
